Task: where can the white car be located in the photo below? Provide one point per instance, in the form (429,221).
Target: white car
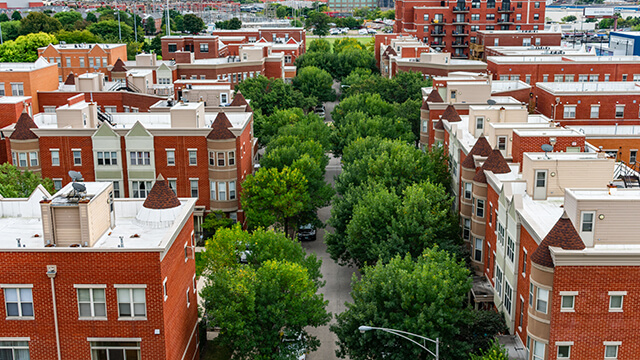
(372,31)
(334,31)
(363,32)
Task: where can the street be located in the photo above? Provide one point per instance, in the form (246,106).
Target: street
(338,278)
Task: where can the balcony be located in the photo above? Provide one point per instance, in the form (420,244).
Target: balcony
(439,33)
(460,9)
(460,33)
(460,44)
(505,21)
(438,21)
(459,56)
(460,21)
(437,43)
(506,9)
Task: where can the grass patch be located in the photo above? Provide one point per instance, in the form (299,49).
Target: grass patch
(199,263)
(364,40)
(212,350)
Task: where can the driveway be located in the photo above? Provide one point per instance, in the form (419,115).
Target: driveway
(328,109)
(338,278)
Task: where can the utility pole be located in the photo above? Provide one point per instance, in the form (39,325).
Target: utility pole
(168,26)
(119,27)
(1,42)
(135,25)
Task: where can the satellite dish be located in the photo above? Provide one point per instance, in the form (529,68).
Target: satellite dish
(491,102)
(547,148)
(79,187)
(75,175)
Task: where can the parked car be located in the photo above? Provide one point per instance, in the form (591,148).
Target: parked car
(363,32)
(307,232)
(335,31)
(320,111)
(372,31)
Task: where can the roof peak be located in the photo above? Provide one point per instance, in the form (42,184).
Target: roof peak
(562,235)
(22,129)
(434,96)
(450,114)
(480,148)
(161,196)
(220,128)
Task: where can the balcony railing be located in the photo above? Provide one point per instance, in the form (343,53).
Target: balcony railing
(460,44)
(438,43)
(505,21)
(460,21)
(460,33)
(506,9)
(439,33)
(461,9)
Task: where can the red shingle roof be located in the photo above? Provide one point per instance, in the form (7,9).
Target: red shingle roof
(161,196)
(425,105)
(481,148)
(434,97)
(71,80)
(451,114)
(389,51)
(494,163)
(220,128)
(562,235)
(439,125)
(238,100)
(119,66)
(22,130)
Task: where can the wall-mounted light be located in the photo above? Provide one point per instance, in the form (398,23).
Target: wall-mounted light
(552,174)
(601,216)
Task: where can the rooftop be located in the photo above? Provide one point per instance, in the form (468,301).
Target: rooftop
(604,193)
(563,59)
(547,132)
(498,86)
(595,130)
(564,156)
(13,99)
(582,87)
(84,46)
(38,64)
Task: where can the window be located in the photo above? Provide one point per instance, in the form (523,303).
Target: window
(116,189)
(521,320)
(475,17)
(140,189)
(480,122)
(194,188)
(518,18)
(542,300)
(536,16)
(536,5)
(173,47)
(107,158)
(220,159)
(33,158)
(545,78)
(57,184)
(490,27)
(508,294)
(466,229)
(595,111)
(480,208)
(173,185)
(633,154)
(131,302)
(498,281)
(68,61)
(19,301)
(467,190)
(587,221)
(558,78)
(91,62)
(530,294)
(22,157)
(140,157)
(524,262)
(213,190)
(193,157)
(104,62)
(510,249)
(501,233)
(504,77)
(475,27)
(606,77)
(477,252)
(77,157)
(222,191)
(564,351)
(619,111)
(567,302)
(538,349)
(568,78)
(636,77)
(502,143)
(491,17)
(527,79)
(171,157)
(287,59)
(17,89)
(14,350)
(232,190)
(425,17)
(204,48)
(81,62)
(110,350)
(91,302)
(615,300)
(569,111)
(593,78)
(611,351)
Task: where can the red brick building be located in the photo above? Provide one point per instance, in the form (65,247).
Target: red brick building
(76,297)
(83,58)
(27,79)
(452,26)
(491,38)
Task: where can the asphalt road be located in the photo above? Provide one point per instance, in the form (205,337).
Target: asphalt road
(338,278)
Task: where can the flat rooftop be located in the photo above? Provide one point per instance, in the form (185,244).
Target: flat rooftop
(562,59)
(13,99)
(604,193)
(498,86)
(84,46)
(38,64)
(605,130)
(564,156)
(547,132)
(582,87)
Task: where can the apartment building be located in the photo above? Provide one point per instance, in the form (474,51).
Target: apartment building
(26,79)
(534,51)
(82,58)
(204,153)
(618,141)
(508,38)
(272,34)
(590,103)
(428,63)
(535,69)
(453,26)
(89,276)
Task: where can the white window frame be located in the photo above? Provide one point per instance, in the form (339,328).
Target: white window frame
(502,143)
(139,158)
(542,297)
(222,191)
(23,160)
(171,157)
(191,188)
(478,251)
(188,298)
(19,301)
(33,155)
(467,189)
(17,89)
(17,344)
(497,279)
(614,345)
(567,344)
(77,161)
(536,354)
(568,294)
(595,114)
(164,289)
(148,185)
(131,288)
(583,222)
(193,157)
(92,303)
(57,181)
(479,208)
(508,297)
(617,107)
(224,160)
(569,112)
(232,190)
(616,294)
(524,262)
(231,158)
(511,249)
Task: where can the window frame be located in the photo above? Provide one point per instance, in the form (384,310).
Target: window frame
(92,303)
(192,189)
(193,157)
(583,222)
(616,294)
(540,300)
(17,344)
(171,160)
(478,252)
(569,111)
(18,290)
(597,112)
(479,209)
(616,346)
(131,288)
(621,116)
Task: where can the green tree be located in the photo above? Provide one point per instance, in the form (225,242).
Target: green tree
(150,26)
(39,22)
(77,37)
(342,44)
(215,221)
(319,45)
(296,23)
(352,58)
(425,295)
(233,24)
(267,95)
(68,19)
(109,31)
(494,352)
(319,21)
(4,17)
(389,14)
(25,47)
(17,184)
(91,17)
(156,44)
(308,127)
(262,313)
(283,11)
(324,60)
(569,18)
(482,330)
(193,24)
(16,15)
(315,82)
(274,197)
(10,30)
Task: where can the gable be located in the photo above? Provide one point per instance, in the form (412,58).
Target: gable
(138,130)
(105,131)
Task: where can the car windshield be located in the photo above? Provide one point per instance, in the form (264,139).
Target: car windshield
(306,227)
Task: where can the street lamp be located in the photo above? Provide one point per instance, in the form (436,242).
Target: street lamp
(402,334)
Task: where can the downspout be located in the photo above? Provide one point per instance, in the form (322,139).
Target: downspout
(51,273)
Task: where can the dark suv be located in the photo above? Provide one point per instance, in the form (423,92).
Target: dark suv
(307,232)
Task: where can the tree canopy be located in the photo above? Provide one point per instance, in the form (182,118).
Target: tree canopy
(4,17)
(37,22)
(315,82)
(25,47)
(193,24)
(264,306)
(15,183)
(319,22)
(109,31)
(16,15)
(232,24)
(68,19)
(267,95)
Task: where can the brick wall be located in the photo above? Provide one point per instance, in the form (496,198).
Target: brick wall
(65,144)
(490,232)
(592,323)
(522,145)
(527,243)
(624,145)
(244,147)
(119,99)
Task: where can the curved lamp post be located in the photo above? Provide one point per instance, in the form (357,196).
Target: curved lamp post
(402,334)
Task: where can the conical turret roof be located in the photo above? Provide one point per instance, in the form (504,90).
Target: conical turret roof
(22,130)
(562,235)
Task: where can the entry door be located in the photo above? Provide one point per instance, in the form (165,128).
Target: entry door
(540,188)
